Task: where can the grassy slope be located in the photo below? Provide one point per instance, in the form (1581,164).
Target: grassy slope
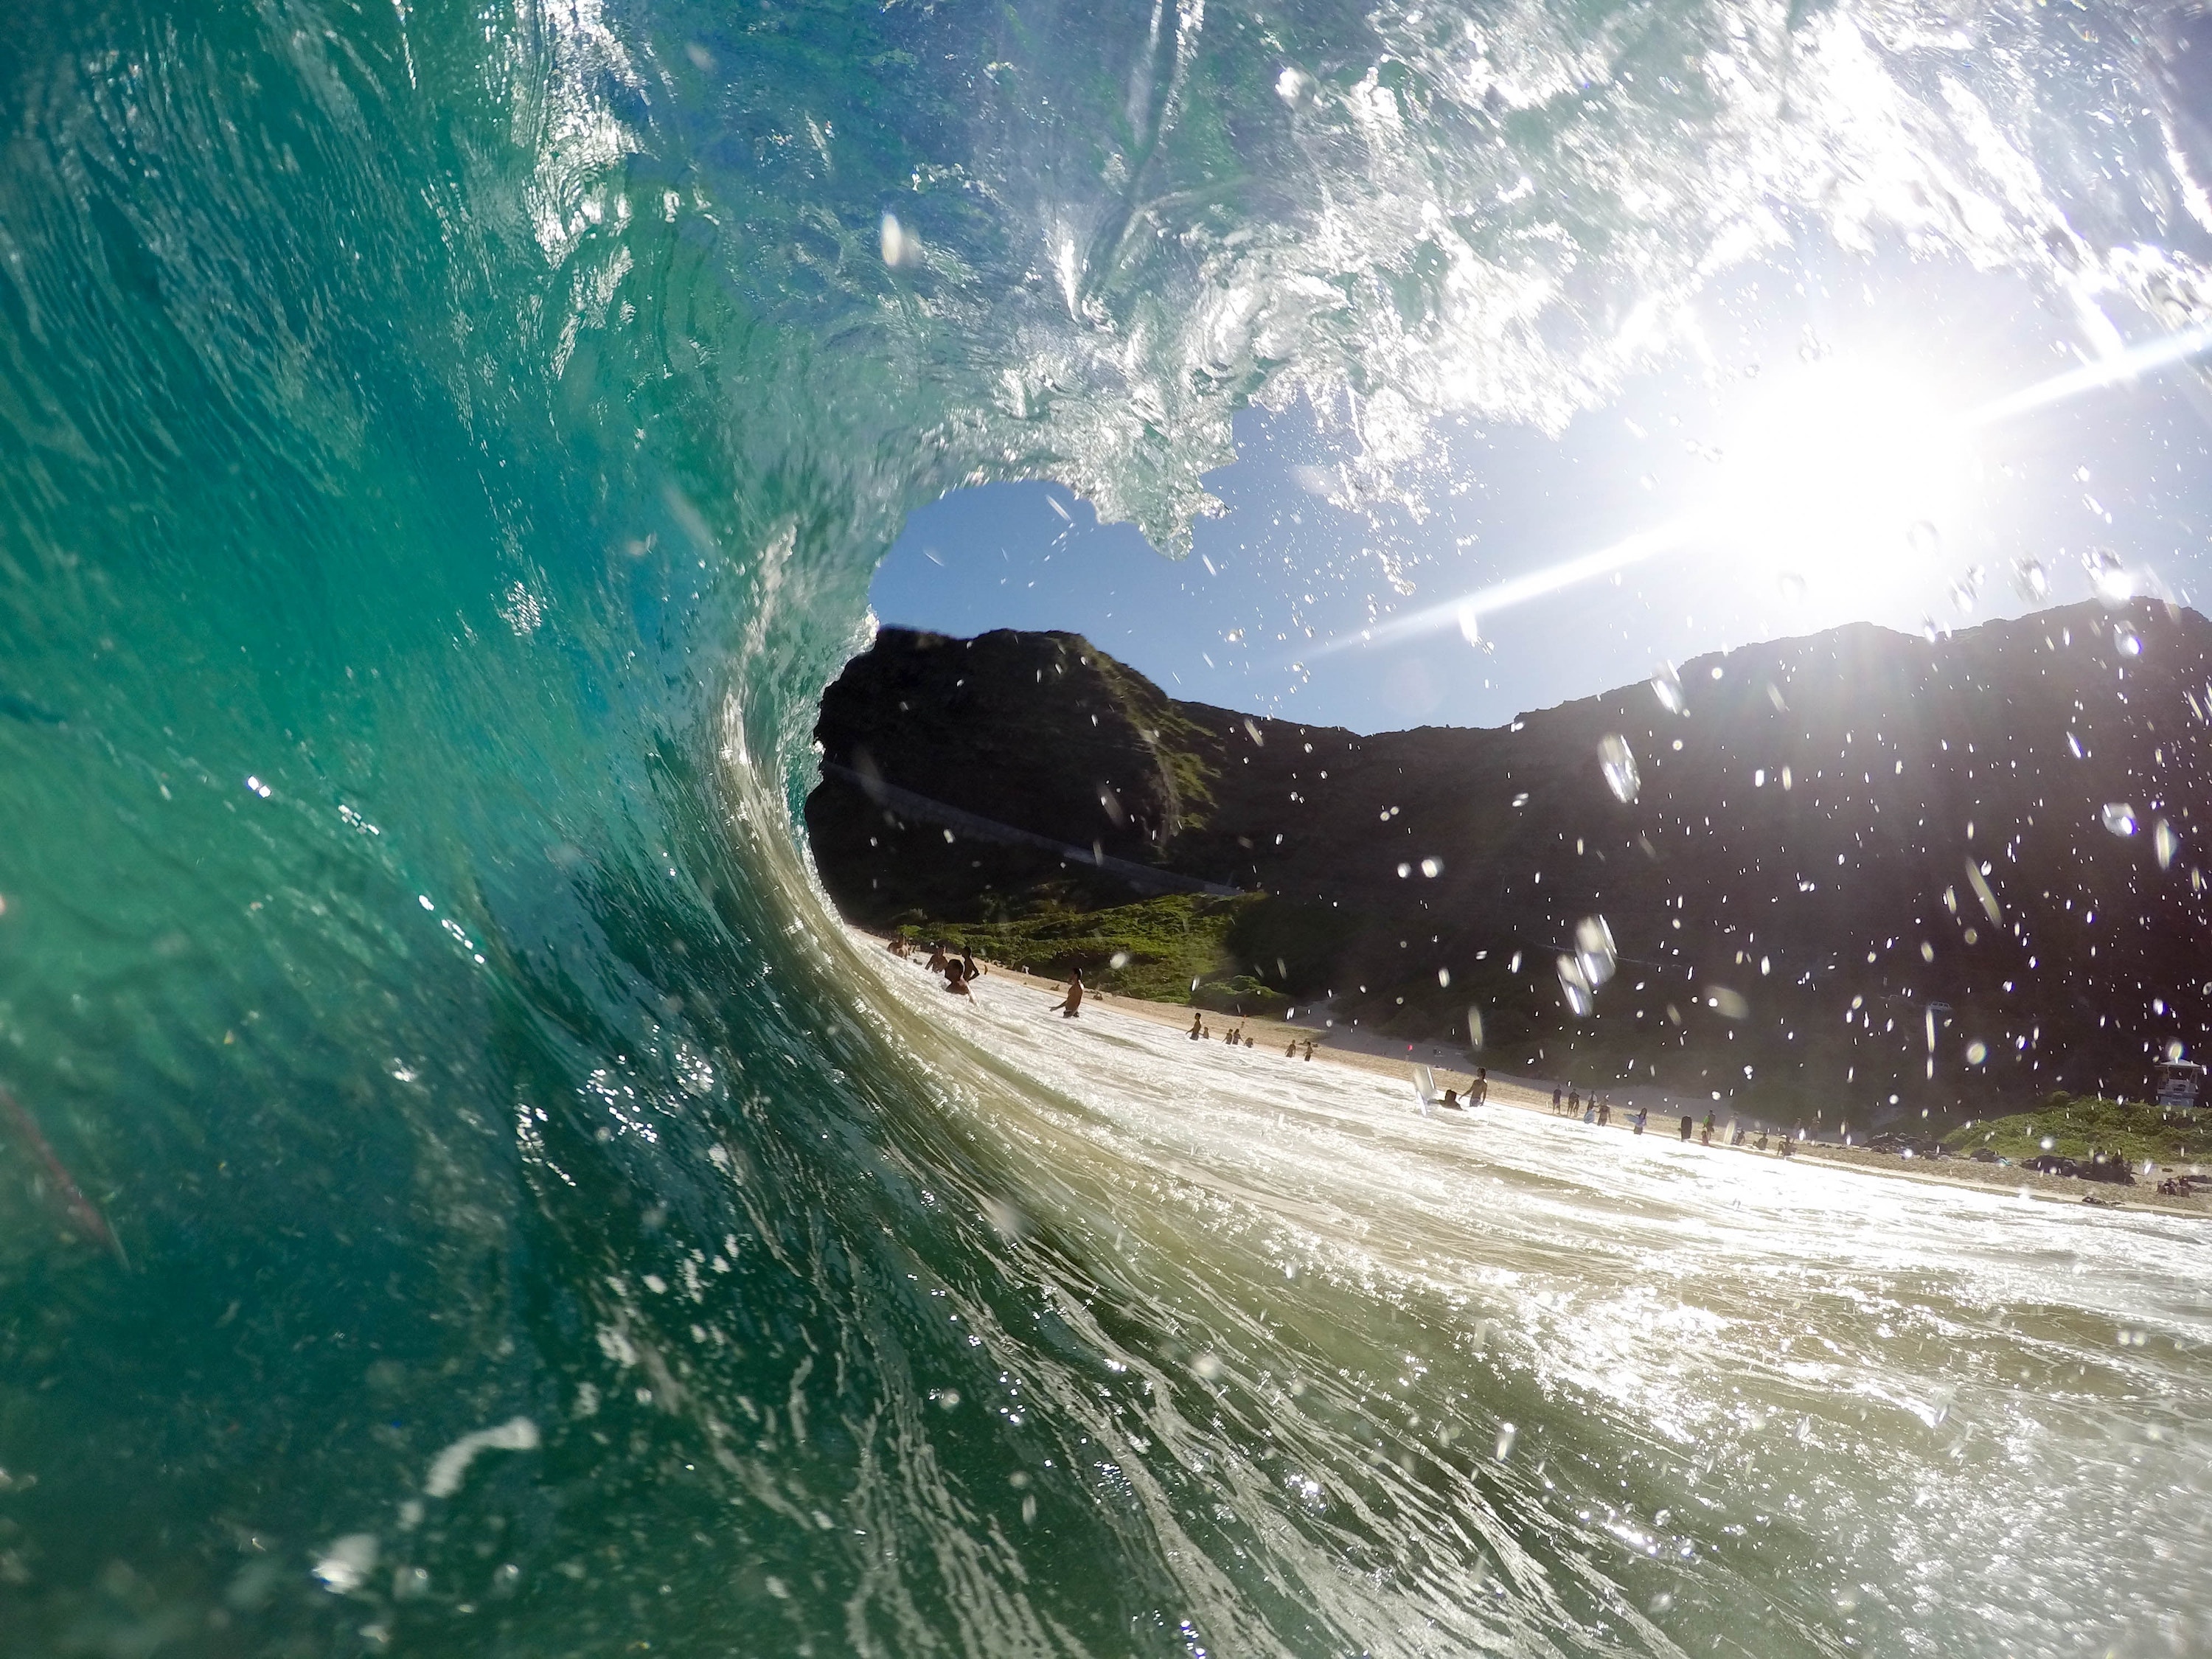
(2076,1124)
(1167,942)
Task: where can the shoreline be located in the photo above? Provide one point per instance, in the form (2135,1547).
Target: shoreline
(1529,1095)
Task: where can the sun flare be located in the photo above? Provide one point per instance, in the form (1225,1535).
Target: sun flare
(1840,475)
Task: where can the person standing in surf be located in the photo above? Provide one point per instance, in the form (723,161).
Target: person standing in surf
(1072,1006)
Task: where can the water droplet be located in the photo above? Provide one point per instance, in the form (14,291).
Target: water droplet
(1205,1368)
(2119,818)
(1667,686)
(1470,625)
(1404,871)
(1930,630)
(1976,1052)
(1444,976)
(2125,641)
(348,1562)
(2108,575)
(1619,767)
(1962,598)
(1514,966)
(1119,959)
(1924,539)
(1473,1026)
(1594,954)
(1574,988)
(1791,585)
(2030,581)
(1507,1434)
(1432,868)
(2166,843)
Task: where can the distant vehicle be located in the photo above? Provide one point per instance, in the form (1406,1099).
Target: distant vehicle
(2180,1083)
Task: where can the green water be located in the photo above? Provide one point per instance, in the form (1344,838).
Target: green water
(442,455)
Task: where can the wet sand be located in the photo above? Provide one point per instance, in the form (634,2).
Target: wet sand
(1382,1056)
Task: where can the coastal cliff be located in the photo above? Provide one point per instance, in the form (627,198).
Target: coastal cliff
(1829,871)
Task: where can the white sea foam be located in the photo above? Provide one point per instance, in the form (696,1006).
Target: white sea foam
(1921,1382)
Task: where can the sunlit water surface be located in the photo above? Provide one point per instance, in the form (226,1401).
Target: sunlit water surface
(1523,1360)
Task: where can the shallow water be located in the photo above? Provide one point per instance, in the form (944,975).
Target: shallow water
(1768,1408)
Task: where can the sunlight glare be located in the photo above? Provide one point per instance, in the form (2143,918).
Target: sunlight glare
(1842,473)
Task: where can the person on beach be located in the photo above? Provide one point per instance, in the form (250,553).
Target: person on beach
(1574,1100)
(1637,1121)
(1556,1098)
(1689,1127)
(1786,1148)
(968,967)
(1707,1137)
(936,958)
(1451,1099)
(1072,1008)
(1309,1042)
(1604,1111)
(1291,1049)
(956,981)
(1479,1093)
(1196,1027)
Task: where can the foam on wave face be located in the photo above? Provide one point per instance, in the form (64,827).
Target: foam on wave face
(445,456)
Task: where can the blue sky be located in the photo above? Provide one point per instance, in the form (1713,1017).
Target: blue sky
(1811,440)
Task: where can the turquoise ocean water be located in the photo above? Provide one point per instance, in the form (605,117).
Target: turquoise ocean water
(461,1195)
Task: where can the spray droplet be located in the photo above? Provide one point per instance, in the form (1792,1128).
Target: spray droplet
(2030,581)
(1667,686)
(1574,988)
(1444,976)
(1119,959)
(2126,641)
(2166,843)
(1594,954)
(2119,818)
(1619,767)
(1473,1026)
(1976,1052)
(900,245)
(2108,575)
(1924,539)
(1432,868)
(1790,586)
(1507,1434)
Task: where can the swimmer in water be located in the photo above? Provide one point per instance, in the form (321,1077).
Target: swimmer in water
(1072,1006)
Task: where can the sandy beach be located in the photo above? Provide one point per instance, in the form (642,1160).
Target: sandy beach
(1382,1056)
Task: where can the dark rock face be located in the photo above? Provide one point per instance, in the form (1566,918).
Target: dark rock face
(1856,864)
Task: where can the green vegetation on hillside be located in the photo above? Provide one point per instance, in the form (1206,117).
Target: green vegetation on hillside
(1250,954)
(2074,1126)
